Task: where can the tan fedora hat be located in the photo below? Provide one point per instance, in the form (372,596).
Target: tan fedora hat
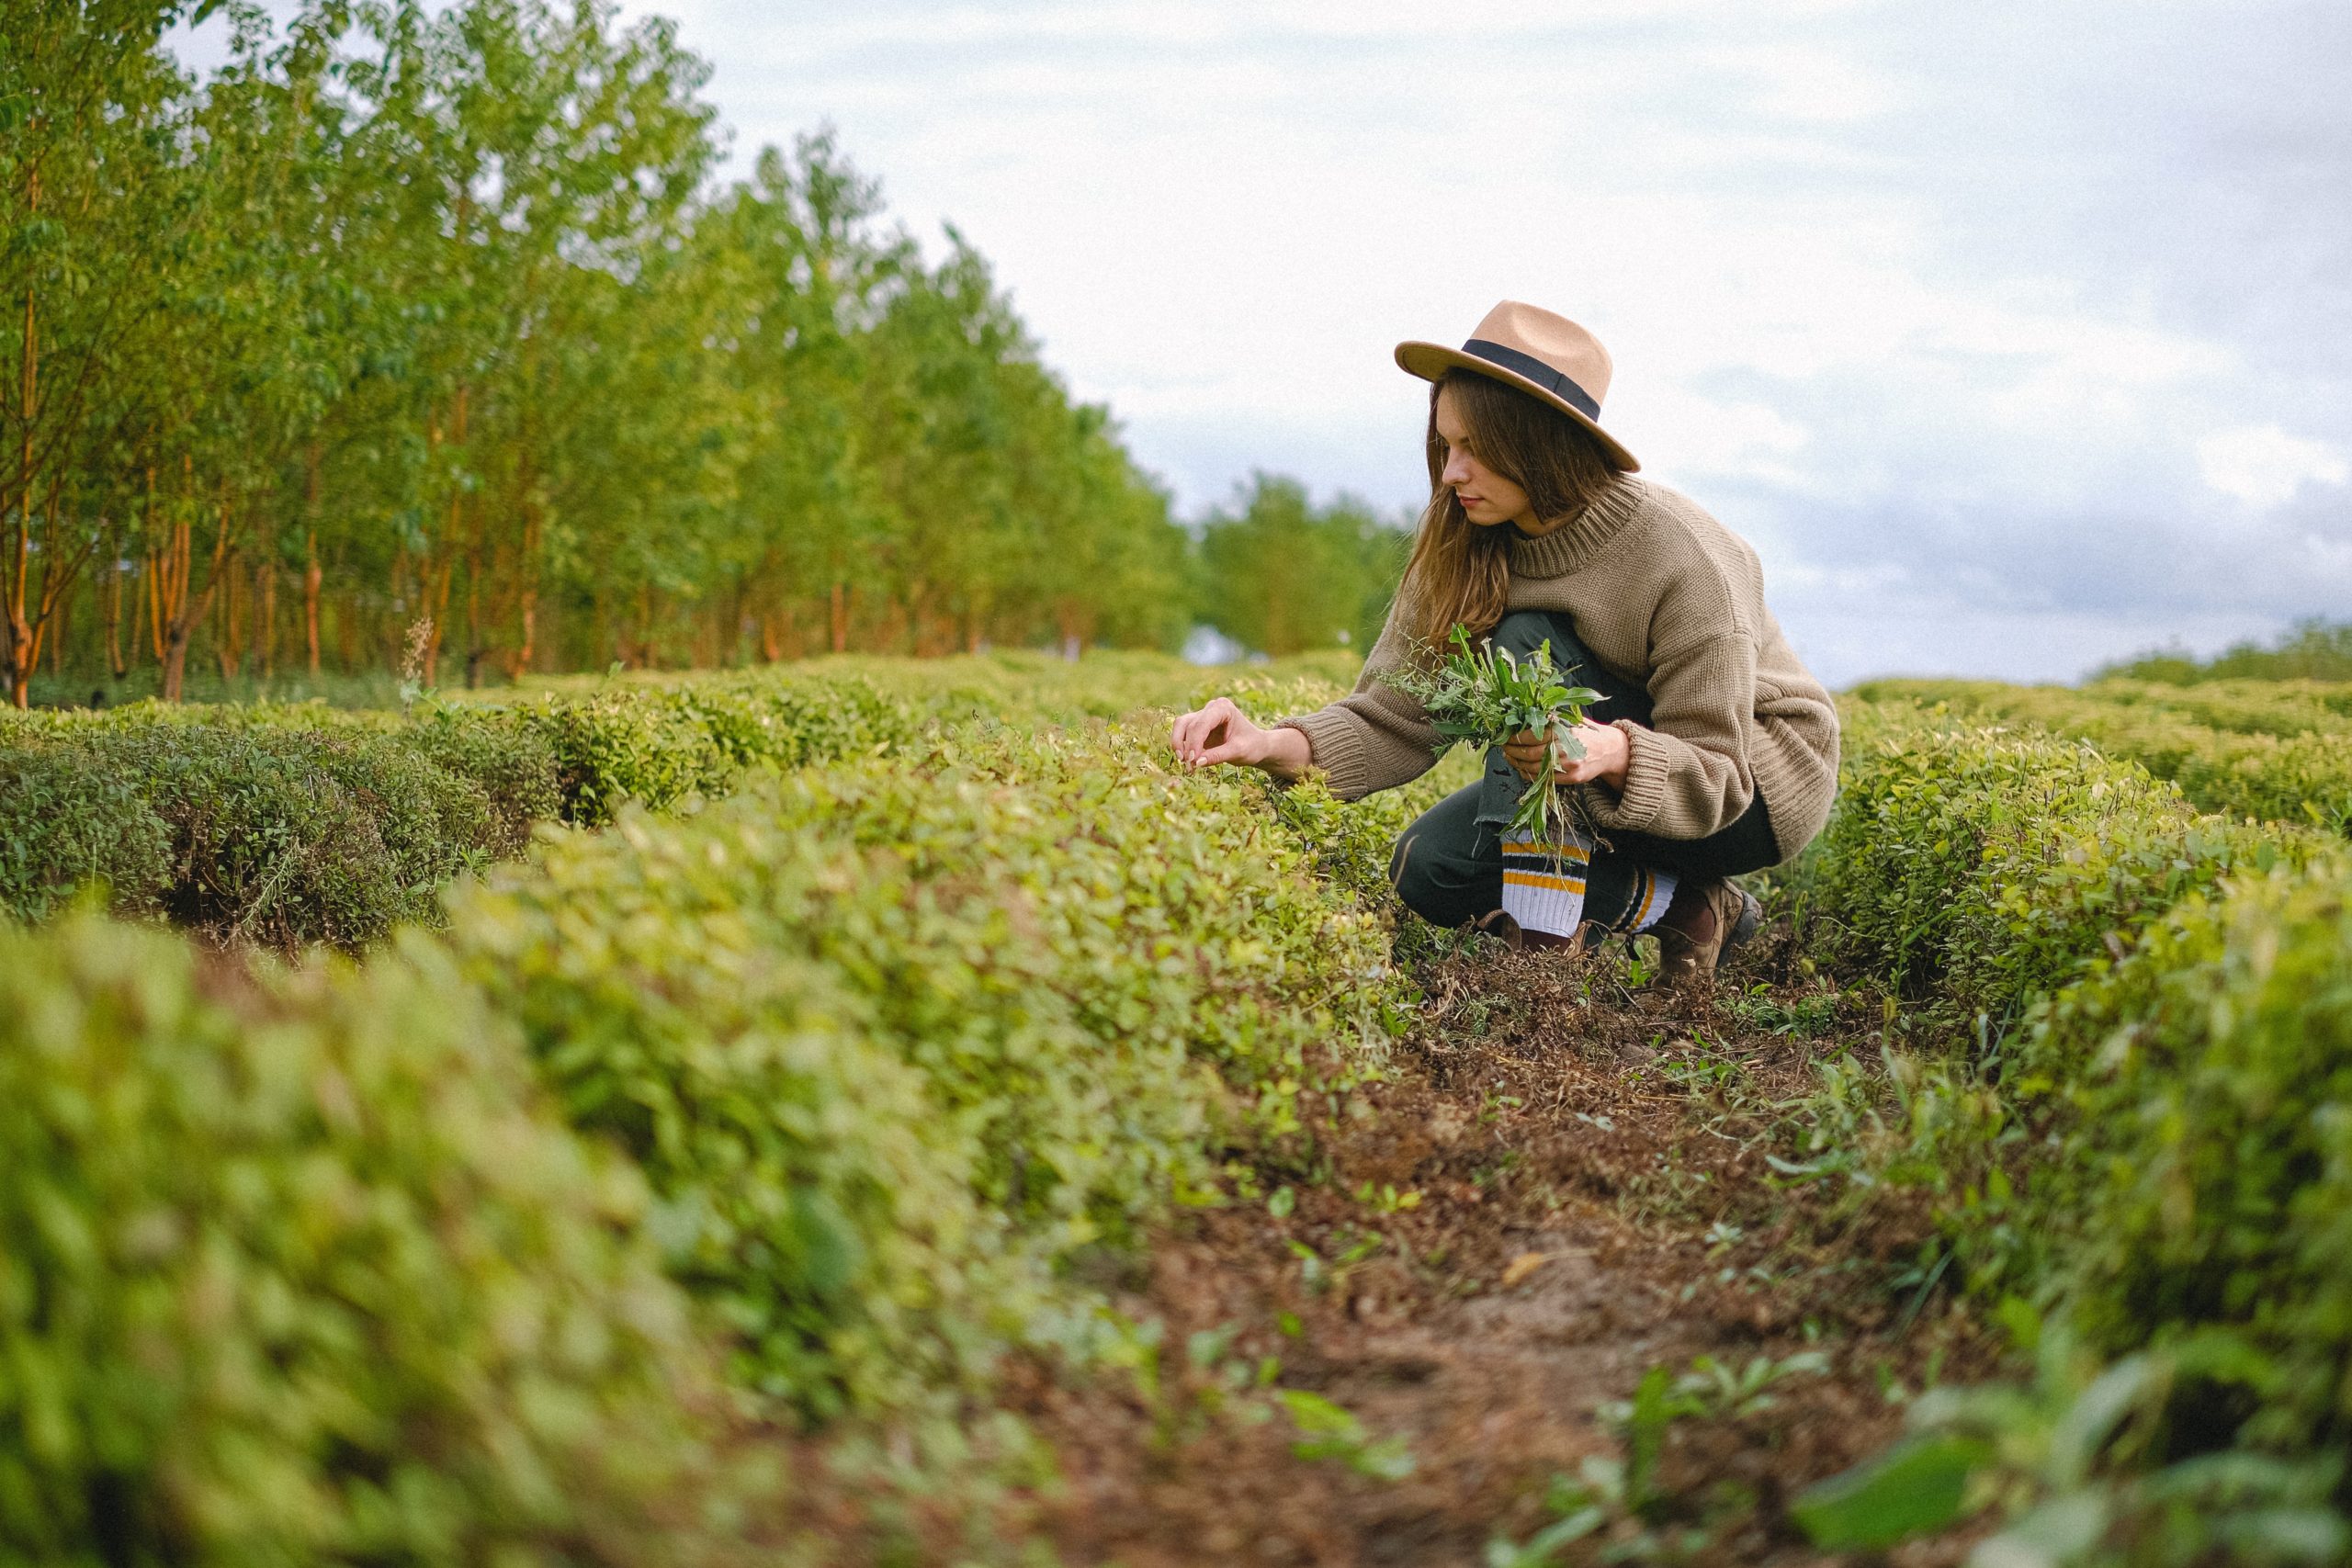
(1548,356)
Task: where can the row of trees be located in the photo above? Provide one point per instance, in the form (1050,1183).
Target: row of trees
(1280,574)
(423,331)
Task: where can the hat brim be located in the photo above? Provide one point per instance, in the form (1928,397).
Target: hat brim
(1430,361)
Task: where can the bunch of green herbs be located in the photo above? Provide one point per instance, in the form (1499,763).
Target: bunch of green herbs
(1488,697)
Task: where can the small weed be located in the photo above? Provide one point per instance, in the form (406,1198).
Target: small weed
(1329,1431)
(1386,1198)
(1808,1017)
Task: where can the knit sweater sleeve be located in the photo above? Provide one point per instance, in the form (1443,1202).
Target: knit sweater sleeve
(1687,774)
(1376,738)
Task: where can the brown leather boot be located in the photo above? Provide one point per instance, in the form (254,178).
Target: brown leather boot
(1706,920)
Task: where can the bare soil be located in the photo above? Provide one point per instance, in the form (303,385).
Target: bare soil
(1563,1185)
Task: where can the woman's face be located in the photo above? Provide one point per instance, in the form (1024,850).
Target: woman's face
(1486,497)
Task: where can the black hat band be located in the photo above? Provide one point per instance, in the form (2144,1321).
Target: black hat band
(1535,371)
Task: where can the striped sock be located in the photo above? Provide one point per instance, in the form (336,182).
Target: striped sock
(1653,891)
(1544,884)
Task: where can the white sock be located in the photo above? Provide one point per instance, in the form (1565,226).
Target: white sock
(1544,884)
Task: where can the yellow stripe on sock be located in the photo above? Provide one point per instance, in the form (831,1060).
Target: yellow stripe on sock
(1574,851)
(1539,879)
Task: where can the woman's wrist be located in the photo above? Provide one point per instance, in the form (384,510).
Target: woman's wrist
(1613,775)
(1288,753)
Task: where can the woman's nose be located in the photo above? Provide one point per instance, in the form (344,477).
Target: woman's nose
(1456,471)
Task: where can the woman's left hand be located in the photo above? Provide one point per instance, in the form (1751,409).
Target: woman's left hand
(1606,752)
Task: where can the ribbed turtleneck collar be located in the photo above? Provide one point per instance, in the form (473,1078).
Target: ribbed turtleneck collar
(1574,543)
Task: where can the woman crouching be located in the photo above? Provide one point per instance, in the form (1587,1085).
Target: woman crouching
(1716,751)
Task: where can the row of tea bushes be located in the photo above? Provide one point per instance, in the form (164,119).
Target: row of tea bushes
(2280,709)
(1031,689)
(2130,1101)
(299,1268)
(274,834)
(2276,750)
(1974,868)
(896,1042)
(822,1095)
(2201,1097)
(1973,873)
(289,825)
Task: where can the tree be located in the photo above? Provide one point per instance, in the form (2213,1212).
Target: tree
(1280,575)
(432,318)
(90,110)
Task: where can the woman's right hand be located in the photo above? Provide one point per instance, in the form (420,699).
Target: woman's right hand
(1221,732)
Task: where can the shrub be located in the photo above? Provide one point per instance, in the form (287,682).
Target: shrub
(1975,869)
(281,826)
(2278,751)
(658,744)
(268,845)
(297,823)
(297,1271)
(67,819)
(810,1188)
(894,1042)
(515,768)
(2204,1088)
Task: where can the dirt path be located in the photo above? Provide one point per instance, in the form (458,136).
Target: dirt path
(1593,1202)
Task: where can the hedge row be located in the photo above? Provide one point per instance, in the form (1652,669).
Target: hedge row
(2136,1103)
(895,1041)
(1974,869)
(2280,709)
(309,1273)
(2276,750)
(2201,1094)
(290,824)
(299,1268)
(1027,688)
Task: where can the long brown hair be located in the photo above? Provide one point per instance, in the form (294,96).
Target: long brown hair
(1460,573)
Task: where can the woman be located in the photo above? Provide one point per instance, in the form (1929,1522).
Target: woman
(1716,751)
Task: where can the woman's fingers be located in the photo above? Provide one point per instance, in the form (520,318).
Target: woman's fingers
(1196,730)
(1605,755)
(1211,734)
(1525,754)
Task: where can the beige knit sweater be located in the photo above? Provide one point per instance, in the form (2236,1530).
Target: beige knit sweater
(1664,594)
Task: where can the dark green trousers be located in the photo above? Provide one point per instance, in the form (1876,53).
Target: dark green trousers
(1448,866)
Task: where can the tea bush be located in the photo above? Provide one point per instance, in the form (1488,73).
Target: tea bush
(1029,688)
(2204,1088)
(1974,869)
(299,1269)
(284,838)
(658,744)
(68,820)
(294,824)
(2151,1138)
(2276,750)
(894,1042)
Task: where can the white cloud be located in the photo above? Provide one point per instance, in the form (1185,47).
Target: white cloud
(2264,467)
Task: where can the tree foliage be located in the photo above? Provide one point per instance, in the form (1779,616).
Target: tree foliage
(1283,575)
(437,325)
(2317,650)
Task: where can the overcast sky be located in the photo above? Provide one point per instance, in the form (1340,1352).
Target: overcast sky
(2015,335)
